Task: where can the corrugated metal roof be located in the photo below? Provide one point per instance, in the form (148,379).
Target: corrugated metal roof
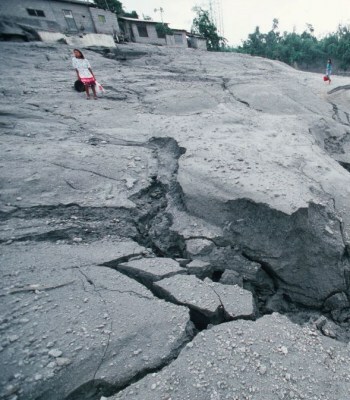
(142,20)
(82,2)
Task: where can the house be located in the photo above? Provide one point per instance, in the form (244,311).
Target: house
(180,38)
(142,31)
(196,41)
(64,16)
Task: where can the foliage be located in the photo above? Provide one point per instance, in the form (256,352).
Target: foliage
(202,25)
(111,5)
(163,30)
(302,49)
(132,14)
(115,6)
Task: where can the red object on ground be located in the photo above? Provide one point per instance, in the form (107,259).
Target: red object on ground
(325,78)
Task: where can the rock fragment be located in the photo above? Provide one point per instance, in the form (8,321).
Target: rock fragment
(151,269)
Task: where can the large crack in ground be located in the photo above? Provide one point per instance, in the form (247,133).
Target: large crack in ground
(233,259)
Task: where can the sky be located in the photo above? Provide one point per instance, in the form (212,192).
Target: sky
(240,17)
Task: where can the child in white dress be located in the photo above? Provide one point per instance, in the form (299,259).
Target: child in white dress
(84,72)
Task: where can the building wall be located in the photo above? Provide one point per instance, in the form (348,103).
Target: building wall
(198,43)
(81,14)
(152,37)
(16,10)
(110,26)
(180,39)
(54,19)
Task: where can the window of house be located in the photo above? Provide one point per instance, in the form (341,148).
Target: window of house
(178,38)
(142,29)
(102,19)
(72,26)
(161,34)
(35,13)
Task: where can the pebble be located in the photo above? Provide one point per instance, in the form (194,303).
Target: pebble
(55,353)
(284,350)
(61,361)
(77,239)
(262,369)
(52,364)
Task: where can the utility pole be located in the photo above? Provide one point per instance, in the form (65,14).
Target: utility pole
(215,12)
(161,10)
(107,5)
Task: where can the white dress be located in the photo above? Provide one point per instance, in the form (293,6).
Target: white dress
(82,65)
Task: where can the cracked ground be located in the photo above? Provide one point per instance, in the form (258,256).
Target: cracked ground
(186,236)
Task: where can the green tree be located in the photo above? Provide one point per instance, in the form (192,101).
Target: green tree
(291,48)
(115,6)
(255,44)
(163,30)
(111,5)
(132,14)
(202,25)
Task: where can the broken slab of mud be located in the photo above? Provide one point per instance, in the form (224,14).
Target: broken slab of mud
(269,359)
(140,232)
(73,329)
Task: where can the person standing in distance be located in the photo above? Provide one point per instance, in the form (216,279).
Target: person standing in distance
(329,70)
(84,72)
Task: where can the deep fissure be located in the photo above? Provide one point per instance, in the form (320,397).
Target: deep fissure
(153,211)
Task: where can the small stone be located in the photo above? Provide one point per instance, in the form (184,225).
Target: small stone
(284,350)
(55,353)
(51,364)
(38,377)
(77,239)
(61,361)
(18,198)
(262,369)
(320,322)
(328,230)
(13,338)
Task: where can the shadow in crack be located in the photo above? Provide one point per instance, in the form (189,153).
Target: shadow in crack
(92,390)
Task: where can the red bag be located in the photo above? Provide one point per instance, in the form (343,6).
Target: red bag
(326,78)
